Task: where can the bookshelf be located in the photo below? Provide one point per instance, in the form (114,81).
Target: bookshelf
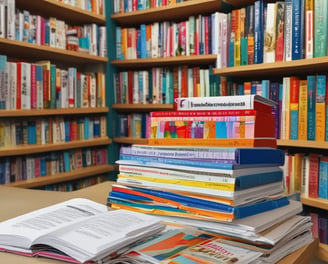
(175,12)
(276,70)
(17,51)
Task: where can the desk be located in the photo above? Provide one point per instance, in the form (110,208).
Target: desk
(17,201)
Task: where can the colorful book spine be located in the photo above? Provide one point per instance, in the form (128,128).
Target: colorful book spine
(302,118)
(294,103)
(323,177)
(311,103)
(320,108)
(320,27)
(258,31)
(288,31)
(296,30)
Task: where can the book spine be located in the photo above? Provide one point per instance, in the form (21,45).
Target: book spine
(294,103)
(311,103)
(323,177)
(320,108)
(320,27)
(302,118)
(288,31)
(309,19)
(280,21)
(258,31)
(296,30)
(270,33)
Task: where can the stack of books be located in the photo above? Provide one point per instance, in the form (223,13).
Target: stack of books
(235,192)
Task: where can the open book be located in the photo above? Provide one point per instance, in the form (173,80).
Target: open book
(78,230)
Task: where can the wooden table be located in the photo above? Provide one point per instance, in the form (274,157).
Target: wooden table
(17,201)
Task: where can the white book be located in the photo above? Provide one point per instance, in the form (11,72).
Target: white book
(207,82)
(2,21)
(19,25)
(13,85)
(309,26)
(135,88)
(52,32)
(154,39)
(224,48)
(72,87)
(11,19)
(270,33)
(26,85)
(82,229)
(305,176)
(102,41)
(288,32)
(64,89)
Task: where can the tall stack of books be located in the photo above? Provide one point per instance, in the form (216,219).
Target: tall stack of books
(212,164)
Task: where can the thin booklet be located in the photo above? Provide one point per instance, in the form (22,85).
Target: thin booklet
(78,230)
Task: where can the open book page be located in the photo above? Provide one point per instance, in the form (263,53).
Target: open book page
(23,230)
(102,235)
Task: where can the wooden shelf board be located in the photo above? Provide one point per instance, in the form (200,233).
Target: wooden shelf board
(322,252)
(46,112)
(170,13)
(315,202)
(178,60)
(62,177)
(277,68)
(142,107)
(303,144)
(32,149)
(29,51)
(130,140)
(52,8)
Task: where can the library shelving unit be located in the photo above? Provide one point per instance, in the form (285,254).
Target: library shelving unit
(174,12)
(23,51)
(275,70)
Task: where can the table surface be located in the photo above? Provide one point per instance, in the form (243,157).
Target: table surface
(16,201)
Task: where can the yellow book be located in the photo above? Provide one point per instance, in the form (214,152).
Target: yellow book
(285,125)
(236,14)
(219,186)
(302,117)
(297,171)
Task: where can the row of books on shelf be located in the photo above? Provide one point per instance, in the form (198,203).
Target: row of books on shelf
(18,168)
(134,125)
(94,6)
(319,219)
(307,173)
(50,130)
(194,36)
(22,25)
(43,85)
(162,85)
(70,186)
(279,31)
(123,6)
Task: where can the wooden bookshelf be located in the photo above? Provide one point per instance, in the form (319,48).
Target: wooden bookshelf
(168,61)
(68,13)
(322,252)
(51,112)
(142,107)
(29,51)
(171,12)
(303,144)
(276,68)
(32,149)
(130,140)
(62,177)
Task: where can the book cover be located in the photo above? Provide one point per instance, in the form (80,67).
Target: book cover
(323,178)
(258,31)
(288,30)
(296,29)
(280,21)
(309,38)
(311,104)
(270,33)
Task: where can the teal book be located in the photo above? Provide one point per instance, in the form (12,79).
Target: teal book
(311,120)
(320,27)
(244,51)
(52,86)
(323,178)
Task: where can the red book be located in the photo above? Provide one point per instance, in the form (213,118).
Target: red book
(33,87)
(175,82)
(130,88)
(223,86)
(184,81)
(46,88)
(19,86)
(314,175)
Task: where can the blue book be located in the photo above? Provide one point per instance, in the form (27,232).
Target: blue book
(67,163)
(31,132)
(43,166)
(265,88)
(231,53)
(67,130)
(311,87)
(240,89)
(323,178)
(201,163)
(258,31)
(237,211)
(143,41)
(296,29)
(86,127)
(227,155)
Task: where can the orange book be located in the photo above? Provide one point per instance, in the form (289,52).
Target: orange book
(124,42)
(247,88)
(235,24)
(293,105)
(302,117)
(255,142)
